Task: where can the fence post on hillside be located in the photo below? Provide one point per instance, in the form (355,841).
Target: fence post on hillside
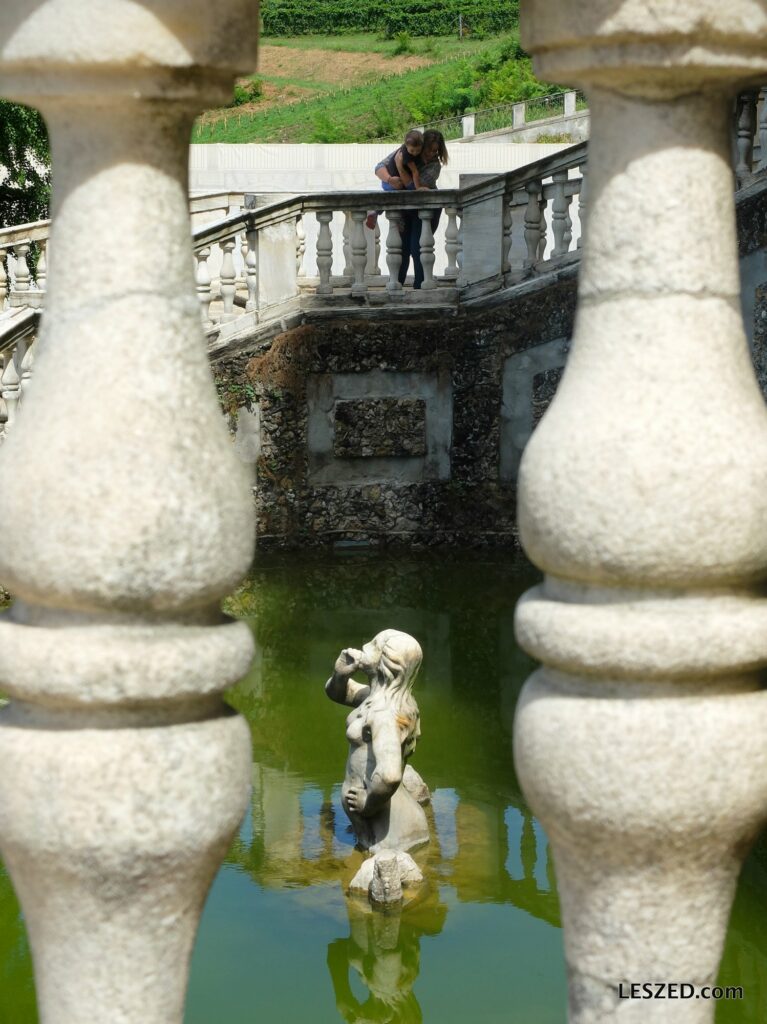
(518,115)
(467,125)
(570,98)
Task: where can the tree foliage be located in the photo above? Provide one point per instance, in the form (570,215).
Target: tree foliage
(25,162)
(416,17)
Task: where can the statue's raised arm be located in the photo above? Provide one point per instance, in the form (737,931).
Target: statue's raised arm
(341,687)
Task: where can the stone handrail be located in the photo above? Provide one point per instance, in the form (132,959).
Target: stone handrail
(498,231)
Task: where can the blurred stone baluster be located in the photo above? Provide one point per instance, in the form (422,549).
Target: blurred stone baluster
(641,748)
(126,517)
(324,252)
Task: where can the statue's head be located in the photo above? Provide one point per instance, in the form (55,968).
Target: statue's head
(394,658)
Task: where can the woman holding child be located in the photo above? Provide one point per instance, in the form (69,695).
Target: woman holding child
(416,165)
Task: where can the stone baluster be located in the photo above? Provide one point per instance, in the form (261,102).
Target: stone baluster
(744,140)
(459,253)
(559,213)
(41,273)
(508,228)
(533,220)
(377,249)
(251,267)
(300,246)
(241,281)
(126,517)
(762,128)
(359,246)
(203,283)
(324,252)
(228,278)
(23,276)
(451,243)
(543,233)
(583,202)
(25,358)
(347,238)
(394,250)
(10,388)
(427,249)
(3,278)
(627,497)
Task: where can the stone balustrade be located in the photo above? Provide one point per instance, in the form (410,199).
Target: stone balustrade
(322,256)
(491,235)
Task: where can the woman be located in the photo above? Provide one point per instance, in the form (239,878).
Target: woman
(433,158)
(382,733)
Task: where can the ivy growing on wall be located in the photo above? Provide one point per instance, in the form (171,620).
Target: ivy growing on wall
(24,165)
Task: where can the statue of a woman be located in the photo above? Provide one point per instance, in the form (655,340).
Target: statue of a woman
(382,731)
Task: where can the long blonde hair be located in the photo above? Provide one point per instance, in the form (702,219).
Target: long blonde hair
(400,660)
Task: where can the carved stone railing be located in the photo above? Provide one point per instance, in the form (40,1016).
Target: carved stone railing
(750,135)
(17,349)
(315,252)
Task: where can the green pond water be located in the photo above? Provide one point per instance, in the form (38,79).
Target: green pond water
(279,941)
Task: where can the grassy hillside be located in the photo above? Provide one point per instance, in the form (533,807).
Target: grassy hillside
(427,80)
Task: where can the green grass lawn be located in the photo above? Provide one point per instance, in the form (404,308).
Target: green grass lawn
(436,47)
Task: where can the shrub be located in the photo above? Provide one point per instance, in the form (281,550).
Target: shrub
(249,92)
(403,44)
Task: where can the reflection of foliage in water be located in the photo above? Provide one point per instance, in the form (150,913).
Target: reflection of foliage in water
(17,992)
(745,953)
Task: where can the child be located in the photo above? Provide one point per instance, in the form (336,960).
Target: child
(399,170)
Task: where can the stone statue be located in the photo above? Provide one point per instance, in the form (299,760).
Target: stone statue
(380,793)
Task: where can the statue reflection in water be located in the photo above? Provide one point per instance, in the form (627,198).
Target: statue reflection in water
(384,950)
